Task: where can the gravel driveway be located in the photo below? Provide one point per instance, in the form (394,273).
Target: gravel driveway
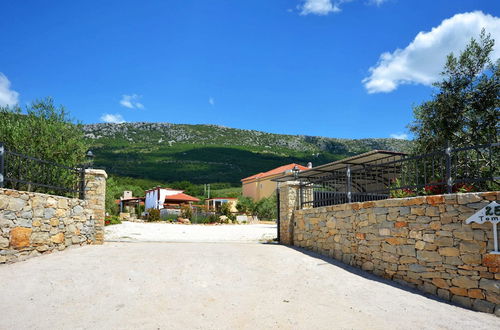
(211,286)
(169,232)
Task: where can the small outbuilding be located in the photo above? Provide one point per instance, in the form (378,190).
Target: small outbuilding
(214,204)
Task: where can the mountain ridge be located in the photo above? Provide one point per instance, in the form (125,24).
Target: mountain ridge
(213,153)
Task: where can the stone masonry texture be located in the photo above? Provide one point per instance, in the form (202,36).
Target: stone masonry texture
(422,242)
(33,223)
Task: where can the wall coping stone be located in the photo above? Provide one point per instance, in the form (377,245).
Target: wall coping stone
(97,172)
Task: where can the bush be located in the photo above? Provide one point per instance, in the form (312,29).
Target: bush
(225,209)
(245,205)
(186,212)
(266,208)
(153,215)
(170,217)
(112,220)
(400,193)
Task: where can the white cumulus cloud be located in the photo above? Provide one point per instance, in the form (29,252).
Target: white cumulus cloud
(318,7)
(377,2)
(325,7)
(211,101)
(422,61)
(112,118)
(400,136)
(8,97)
(131,101)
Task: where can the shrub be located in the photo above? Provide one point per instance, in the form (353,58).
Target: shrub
(170,217)
(225,209)
(434,189)
(112,220)
(245,205)
(139,209)
(153,215)
(204,218)
(266,208)
(463,188)
(400,193)
(186,212)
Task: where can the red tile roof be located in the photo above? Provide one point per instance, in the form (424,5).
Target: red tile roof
(181,197)
(277,170)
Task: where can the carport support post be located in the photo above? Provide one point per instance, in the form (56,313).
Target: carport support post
(289,202)
(349,184)
(95,195)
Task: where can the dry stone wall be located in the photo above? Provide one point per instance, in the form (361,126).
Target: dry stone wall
(34,223)
(422,242)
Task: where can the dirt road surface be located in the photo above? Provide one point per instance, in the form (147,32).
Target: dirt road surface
(211,286)
(171,232)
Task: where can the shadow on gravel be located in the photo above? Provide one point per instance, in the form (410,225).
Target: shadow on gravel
(370,276)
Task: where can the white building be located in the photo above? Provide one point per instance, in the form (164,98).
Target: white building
(158,198)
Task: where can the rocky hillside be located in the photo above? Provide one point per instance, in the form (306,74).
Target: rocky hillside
(209,153)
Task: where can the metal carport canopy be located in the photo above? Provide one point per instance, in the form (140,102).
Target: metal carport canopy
(371,158)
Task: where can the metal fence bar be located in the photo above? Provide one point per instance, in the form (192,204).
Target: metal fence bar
(81,188)
(449,179)
(39,160)
(23,172)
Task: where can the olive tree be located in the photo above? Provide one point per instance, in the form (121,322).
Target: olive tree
(45,131)
(464,110)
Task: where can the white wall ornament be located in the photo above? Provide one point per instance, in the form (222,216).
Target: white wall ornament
(489,213)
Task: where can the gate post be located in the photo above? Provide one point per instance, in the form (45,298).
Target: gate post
(95,195)
(289,196)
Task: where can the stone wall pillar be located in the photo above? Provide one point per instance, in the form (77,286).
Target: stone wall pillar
(95,195)
(289,201)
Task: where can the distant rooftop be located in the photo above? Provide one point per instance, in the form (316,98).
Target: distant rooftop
(277,170)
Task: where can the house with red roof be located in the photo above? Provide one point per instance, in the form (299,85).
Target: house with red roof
(260,186)
(160,198)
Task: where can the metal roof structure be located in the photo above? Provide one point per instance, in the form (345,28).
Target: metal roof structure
(358,178)
(380,174)
(375,160)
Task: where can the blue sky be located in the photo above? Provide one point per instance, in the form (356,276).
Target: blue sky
(349,69)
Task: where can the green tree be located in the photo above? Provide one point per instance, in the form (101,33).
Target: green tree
(113,192)
(465,108)
(225,209)
(44,131)
(245,205)
(266,208)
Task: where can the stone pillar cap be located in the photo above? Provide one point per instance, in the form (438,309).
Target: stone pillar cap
(290,183)
(97,172)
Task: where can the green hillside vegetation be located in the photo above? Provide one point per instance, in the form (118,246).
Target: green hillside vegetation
(167,153)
